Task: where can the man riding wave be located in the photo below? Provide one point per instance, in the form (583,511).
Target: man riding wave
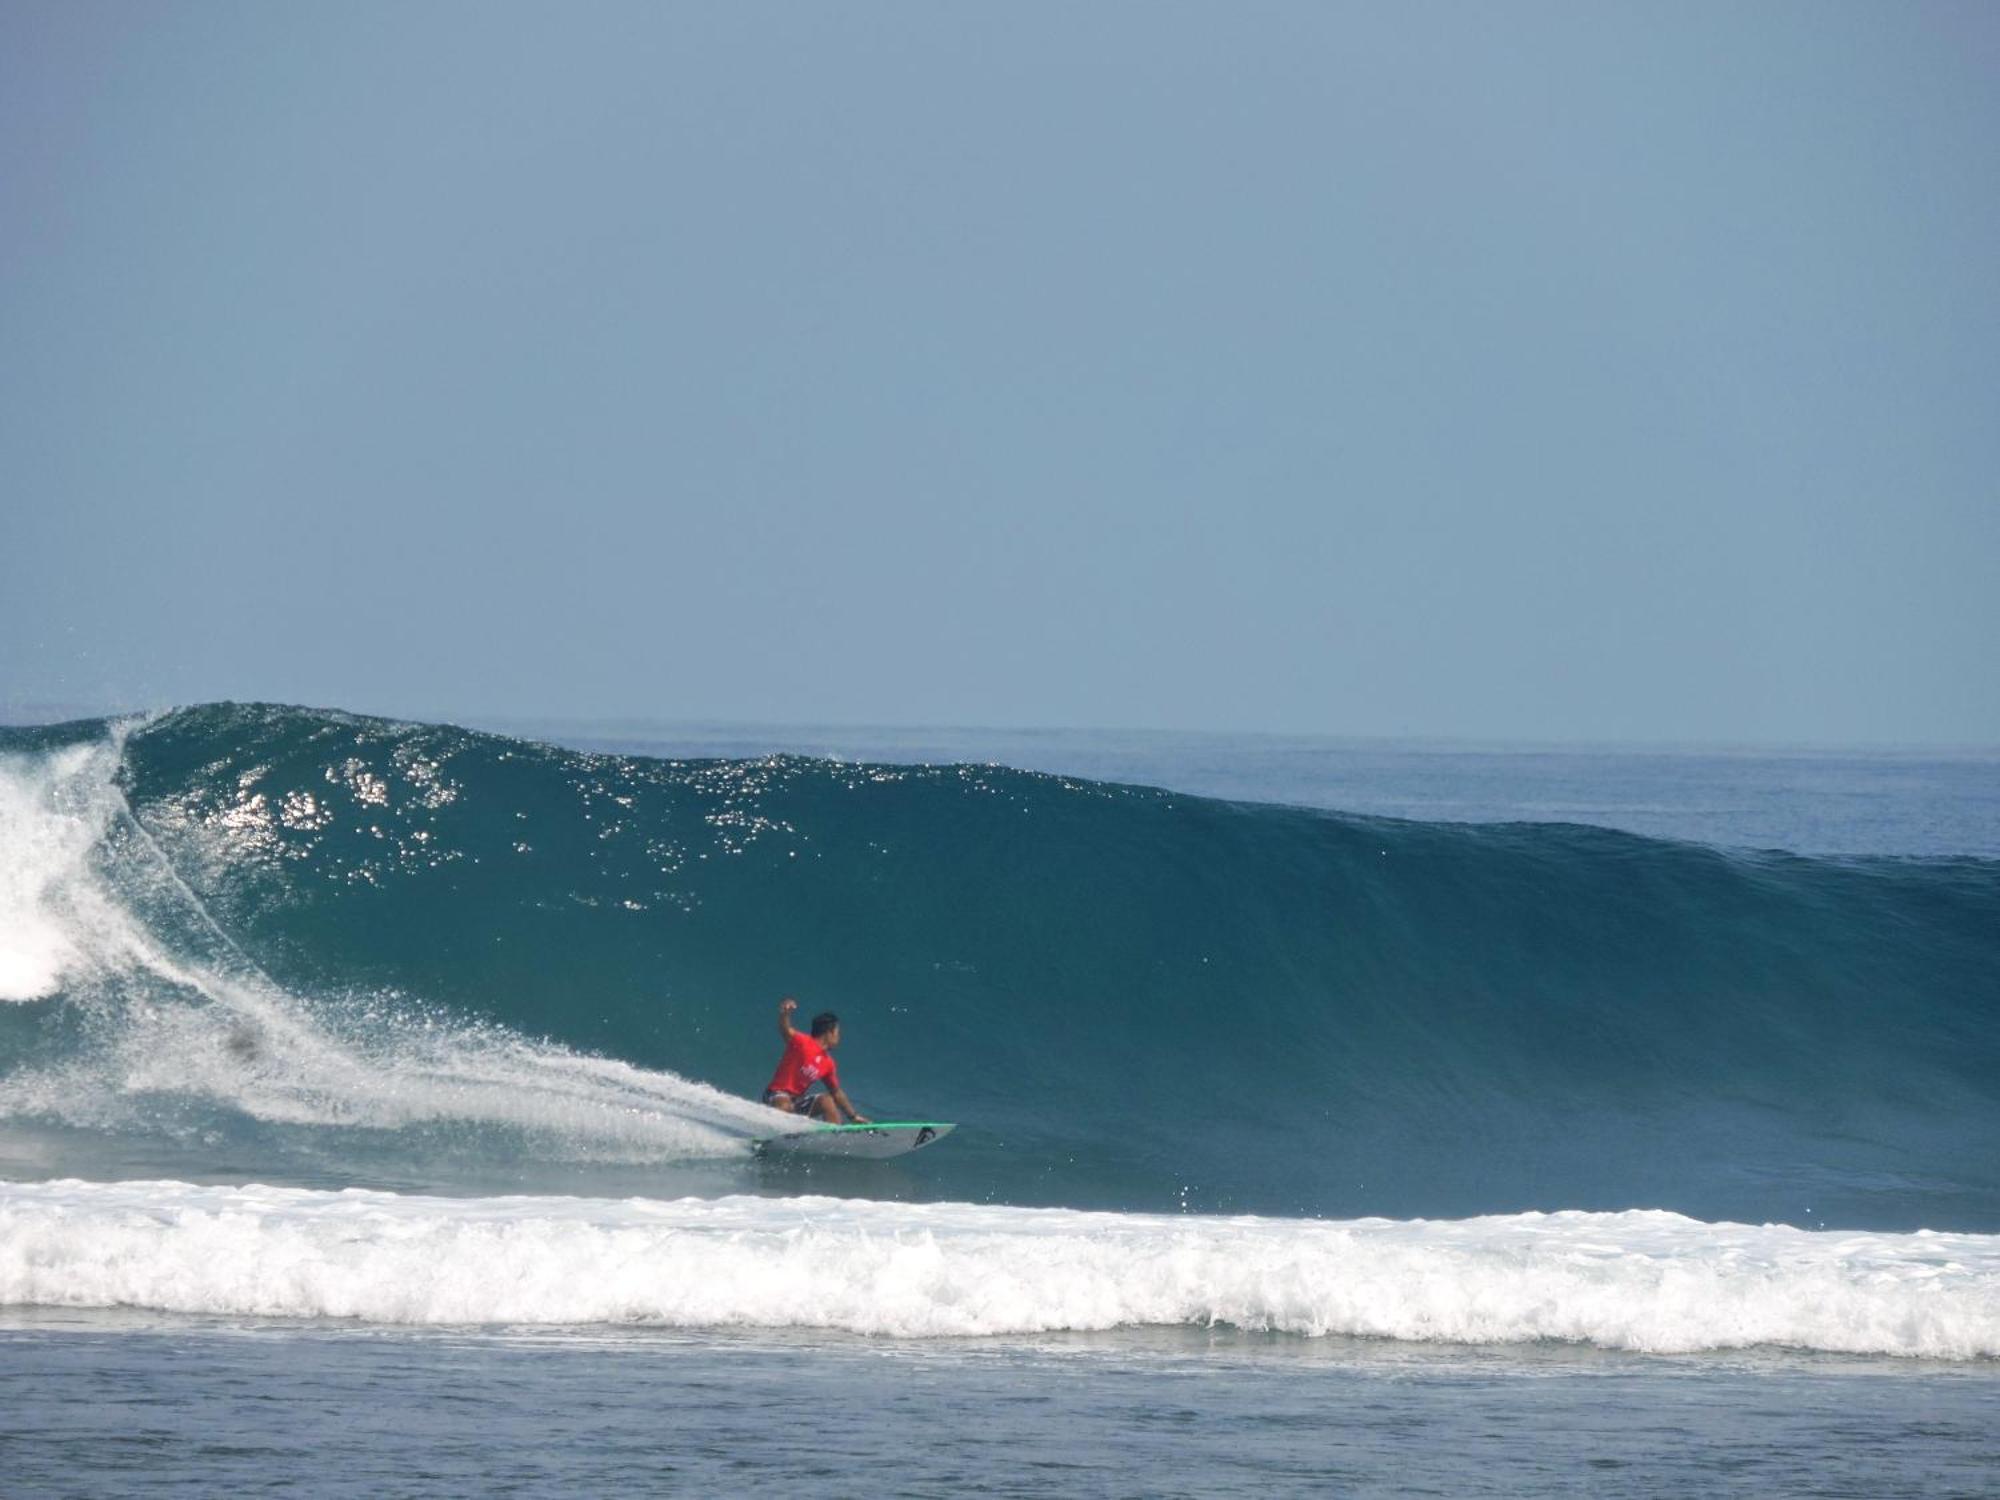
(807,1064)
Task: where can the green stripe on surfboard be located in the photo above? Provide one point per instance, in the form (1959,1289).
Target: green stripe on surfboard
(872,1141)
(884,1125)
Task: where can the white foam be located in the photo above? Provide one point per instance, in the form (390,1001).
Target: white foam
(198,1021)
(50,819)
(1636,1281)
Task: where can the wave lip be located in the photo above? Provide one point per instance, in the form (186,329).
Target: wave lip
(1644,1281)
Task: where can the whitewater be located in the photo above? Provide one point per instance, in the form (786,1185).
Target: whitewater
(1647,1282)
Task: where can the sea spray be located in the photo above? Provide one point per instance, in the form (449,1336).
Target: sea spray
(175,1027)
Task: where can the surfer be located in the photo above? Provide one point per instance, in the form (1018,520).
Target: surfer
(807,1063)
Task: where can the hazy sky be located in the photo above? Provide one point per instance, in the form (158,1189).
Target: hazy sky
(1493,370)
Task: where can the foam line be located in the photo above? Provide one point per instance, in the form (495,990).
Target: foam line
(1645,1281)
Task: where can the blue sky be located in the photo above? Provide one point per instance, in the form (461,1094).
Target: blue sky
(1532,371)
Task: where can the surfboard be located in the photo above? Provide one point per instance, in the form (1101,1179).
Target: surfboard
(869,1142)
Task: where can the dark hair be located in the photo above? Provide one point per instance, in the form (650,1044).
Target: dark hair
(824,1022)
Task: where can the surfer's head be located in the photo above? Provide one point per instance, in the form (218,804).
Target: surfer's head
(826,1029)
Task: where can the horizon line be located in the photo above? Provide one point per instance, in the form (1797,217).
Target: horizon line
(42,713)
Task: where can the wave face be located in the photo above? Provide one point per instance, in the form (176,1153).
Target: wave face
(332,949)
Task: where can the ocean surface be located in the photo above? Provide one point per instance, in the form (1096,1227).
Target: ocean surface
(375,1113)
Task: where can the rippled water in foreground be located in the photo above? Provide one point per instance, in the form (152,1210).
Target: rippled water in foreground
(116,1404)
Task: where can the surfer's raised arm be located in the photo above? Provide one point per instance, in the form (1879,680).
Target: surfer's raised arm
(785,1008)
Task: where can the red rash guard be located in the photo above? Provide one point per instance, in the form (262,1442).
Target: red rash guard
(805,1063)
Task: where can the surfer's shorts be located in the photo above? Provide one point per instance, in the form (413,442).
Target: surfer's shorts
(802,1104)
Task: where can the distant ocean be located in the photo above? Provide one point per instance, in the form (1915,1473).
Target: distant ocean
(1335,1117)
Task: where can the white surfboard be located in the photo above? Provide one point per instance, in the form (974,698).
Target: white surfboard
(872,1141)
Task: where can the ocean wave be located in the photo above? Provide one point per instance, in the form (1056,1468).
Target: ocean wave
(310,926)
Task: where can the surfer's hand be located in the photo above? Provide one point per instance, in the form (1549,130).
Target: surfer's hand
(788,1005)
